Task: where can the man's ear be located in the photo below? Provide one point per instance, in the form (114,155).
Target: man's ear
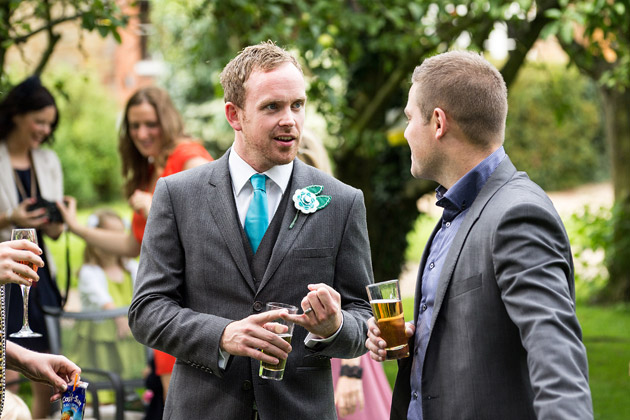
(440,124)
(233,115)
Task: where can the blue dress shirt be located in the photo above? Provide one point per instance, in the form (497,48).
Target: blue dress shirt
(455,202)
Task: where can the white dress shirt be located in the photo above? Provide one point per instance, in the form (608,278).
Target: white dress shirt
(276,184)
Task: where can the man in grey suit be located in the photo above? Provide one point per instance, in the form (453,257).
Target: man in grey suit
(204,280)
(495,334)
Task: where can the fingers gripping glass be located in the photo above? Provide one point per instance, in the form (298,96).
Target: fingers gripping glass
(388,312)
(30,235)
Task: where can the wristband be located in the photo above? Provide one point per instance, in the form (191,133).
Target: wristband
(351,371)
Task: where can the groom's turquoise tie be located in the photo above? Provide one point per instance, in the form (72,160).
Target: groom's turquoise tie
(256,220)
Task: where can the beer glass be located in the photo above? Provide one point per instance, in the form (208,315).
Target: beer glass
(25,332)
(388,312)
(269,370)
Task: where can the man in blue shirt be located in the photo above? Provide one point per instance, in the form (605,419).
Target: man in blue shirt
(495,334)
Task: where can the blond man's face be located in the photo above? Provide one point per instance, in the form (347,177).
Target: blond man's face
(270,123)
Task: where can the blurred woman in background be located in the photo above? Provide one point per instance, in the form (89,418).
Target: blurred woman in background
(31,181)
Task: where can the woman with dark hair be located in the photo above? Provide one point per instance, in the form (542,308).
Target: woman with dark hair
(152,144)
(30,182)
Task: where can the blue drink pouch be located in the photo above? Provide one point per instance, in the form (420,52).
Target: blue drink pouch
(73,402)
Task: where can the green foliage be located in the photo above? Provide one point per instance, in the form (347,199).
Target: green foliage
(599,251)
(590,235)
(554,128)
(358,57)
(602,46)
(86,139)
(20,20)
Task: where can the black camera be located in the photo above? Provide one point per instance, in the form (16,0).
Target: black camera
(53,213)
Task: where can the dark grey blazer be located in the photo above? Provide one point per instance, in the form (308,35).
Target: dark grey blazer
(194,279)
(505,342)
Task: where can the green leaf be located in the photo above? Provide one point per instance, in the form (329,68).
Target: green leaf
(553,13)
(620,8)
(103,30)
(566,32)
(549,29)
(315,189)
(116,35)
(323,201)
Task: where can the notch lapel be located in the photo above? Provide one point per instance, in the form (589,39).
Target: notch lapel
(500,177)
(223,210)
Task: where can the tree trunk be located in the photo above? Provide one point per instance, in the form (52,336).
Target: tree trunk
(617,124)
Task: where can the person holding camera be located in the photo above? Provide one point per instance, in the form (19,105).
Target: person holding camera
(31,182)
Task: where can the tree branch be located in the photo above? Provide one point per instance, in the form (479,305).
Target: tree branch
(51,24)
(53,38)
(525,34)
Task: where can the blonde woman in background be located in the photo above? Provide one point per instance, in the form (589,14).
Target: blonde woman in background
(362,391)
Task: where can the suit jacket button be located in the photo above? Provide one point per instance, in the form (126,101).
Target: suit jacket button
(247,385)
(258,306)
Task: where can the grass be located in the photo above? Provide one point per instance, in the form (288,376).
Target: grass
(606,334)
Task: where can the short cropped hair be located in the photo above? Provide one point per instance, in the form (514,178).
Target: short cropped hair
(467,88)
(265,56)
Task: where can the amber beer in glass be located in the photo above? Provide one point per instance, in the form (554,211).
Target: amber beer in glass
(388,312)
(276,371)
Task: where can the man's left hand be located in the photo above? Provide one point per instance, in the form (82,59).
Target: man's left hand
(324,317)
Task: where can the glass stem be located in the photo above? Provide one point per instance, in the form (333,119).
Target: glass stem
(25,292)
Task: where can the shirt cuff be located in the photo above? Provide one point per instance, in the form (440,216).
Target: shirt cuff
(313,340)
(224,358)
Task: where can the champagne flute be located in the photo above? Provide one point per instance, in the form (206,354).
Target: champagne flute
(30,235)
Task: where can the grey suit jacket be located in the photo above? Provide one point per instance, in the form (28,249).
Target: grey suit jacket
(505,342)
(194,279)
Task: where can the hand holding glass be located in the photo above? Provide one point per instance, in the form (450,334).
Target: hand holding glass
(30,235)
(388,312)
(269,370)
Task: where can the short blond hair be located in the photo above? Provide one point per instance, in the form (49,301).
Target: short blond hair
(264,56)
(467,88)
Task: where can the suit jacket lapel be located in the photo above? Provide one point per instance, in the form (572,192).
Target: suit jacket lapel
(223,210)
(286,236)
(501,175)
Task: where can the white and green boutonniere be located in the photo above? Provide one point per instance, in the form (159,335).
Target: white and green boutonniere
(307,201)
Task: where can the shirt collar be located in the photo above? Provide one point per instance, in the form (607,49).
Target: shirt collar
(461,195)
(241,171)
